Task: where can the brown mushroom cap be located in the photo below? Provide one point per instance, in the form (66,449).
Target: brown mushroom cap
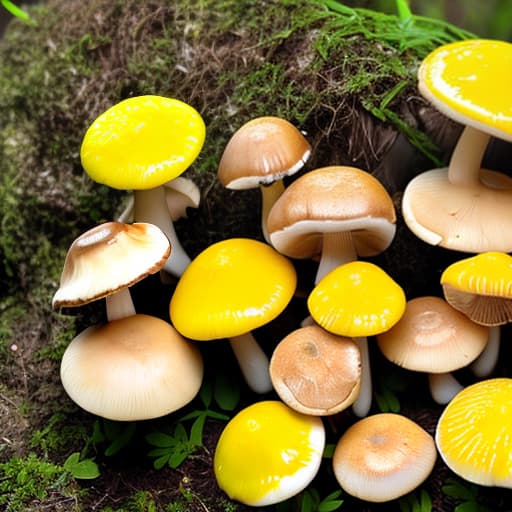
(316,372)
(330,200)
(433,337)
(262,151)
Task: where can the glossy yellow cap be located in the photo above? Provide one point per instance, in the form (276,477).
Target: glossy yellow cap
(474,432)
(142,142)
(231,288)
(469,81)
(268,453)
(357,299)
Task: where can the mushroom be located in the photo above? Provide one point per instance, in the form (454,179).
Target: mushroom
(383,457)
(333,214)
(261,153)
(435,338)
(268,453)
(140,144)
(481,287)
(357,300)
(464,207)
(231,288)
(316,372)
(474,431)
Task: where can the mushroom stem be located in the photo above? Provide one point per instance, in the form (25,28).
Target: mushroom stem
(443,387)
(119,305)
(485,363)
(151,206)
(466,159)
(337,248)
(253,362)
(363,402)
(269,195)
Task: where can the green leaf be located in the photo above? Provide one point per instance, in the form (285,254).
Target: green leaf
(82,469)
(16,11)
(160,440)
(456,490)
(177,458)
(196,431)
(160,462)
(329,450)
(329,506)
(206,394)
(469,506)
(180,434)
(226,392)
(158,452)
(216,415)
(122,439)
(425,501)
(306,503)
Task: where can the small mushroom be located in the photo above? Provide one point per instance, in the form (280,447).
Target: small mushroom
(268,453)
(231,288)
(383,457)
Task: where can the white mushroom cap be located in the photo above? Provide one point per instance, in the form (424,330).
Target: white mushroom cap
(135,368)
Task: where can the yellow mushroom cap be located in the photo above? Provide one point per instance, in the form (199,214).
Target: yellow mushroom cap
(231,288)
(268,453)
(357,299)
(135,368)
(107,258)
(481,287)
(469,81)
(474,432)
(383,457)
(142,142)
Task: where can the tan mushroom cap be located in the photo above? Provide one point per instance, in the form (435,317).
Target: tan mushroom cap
(107,258)
(382,457)
(433,337)
(135,368)
(263,150)
(316,372)
(330,200)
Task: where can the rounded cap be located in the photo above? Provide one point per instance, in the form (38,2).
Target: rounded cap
(231,288)
(433,337)
(474,431)
(481,287)
(142,142)
(107,258)
(469,81)
(330,200)
(134,368)
(383,457)
(268,453)
(316,372)
(357,299)
(263,150)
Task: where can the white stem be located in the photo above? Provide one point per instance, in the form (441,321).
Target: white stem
(443,387)
(126,215)
(151,206)
(119,305)
(337,249)
(485,363)
(361,407)
(466,159)
(253,362)
(269,195)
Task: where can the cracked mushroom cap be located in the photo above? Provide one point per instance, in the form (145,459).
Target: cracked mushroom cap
(383,457)
(433,337)
(263,150)
(481,287)
(268,453)
(331,200)
(473,433)
(231,288)
(135,368)
(142,142)
(107,258)
(316,372)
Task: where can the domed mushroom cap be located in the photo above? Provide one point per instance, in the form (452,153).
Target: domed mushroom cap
(263,150)
(433,337)
(142,142)
(474,431)
(331,200)
(383,457)
(231,288)
(316,372)
(357,299)
(134,368)
(469,81)
(268,453)
(107,258)
(481,287)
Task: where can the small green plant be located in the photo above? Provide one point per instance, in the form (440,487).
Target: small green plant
(466,493)
(115,434)
(82,469)
(16,11)
(388,389)
(416,501)
(310,500)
